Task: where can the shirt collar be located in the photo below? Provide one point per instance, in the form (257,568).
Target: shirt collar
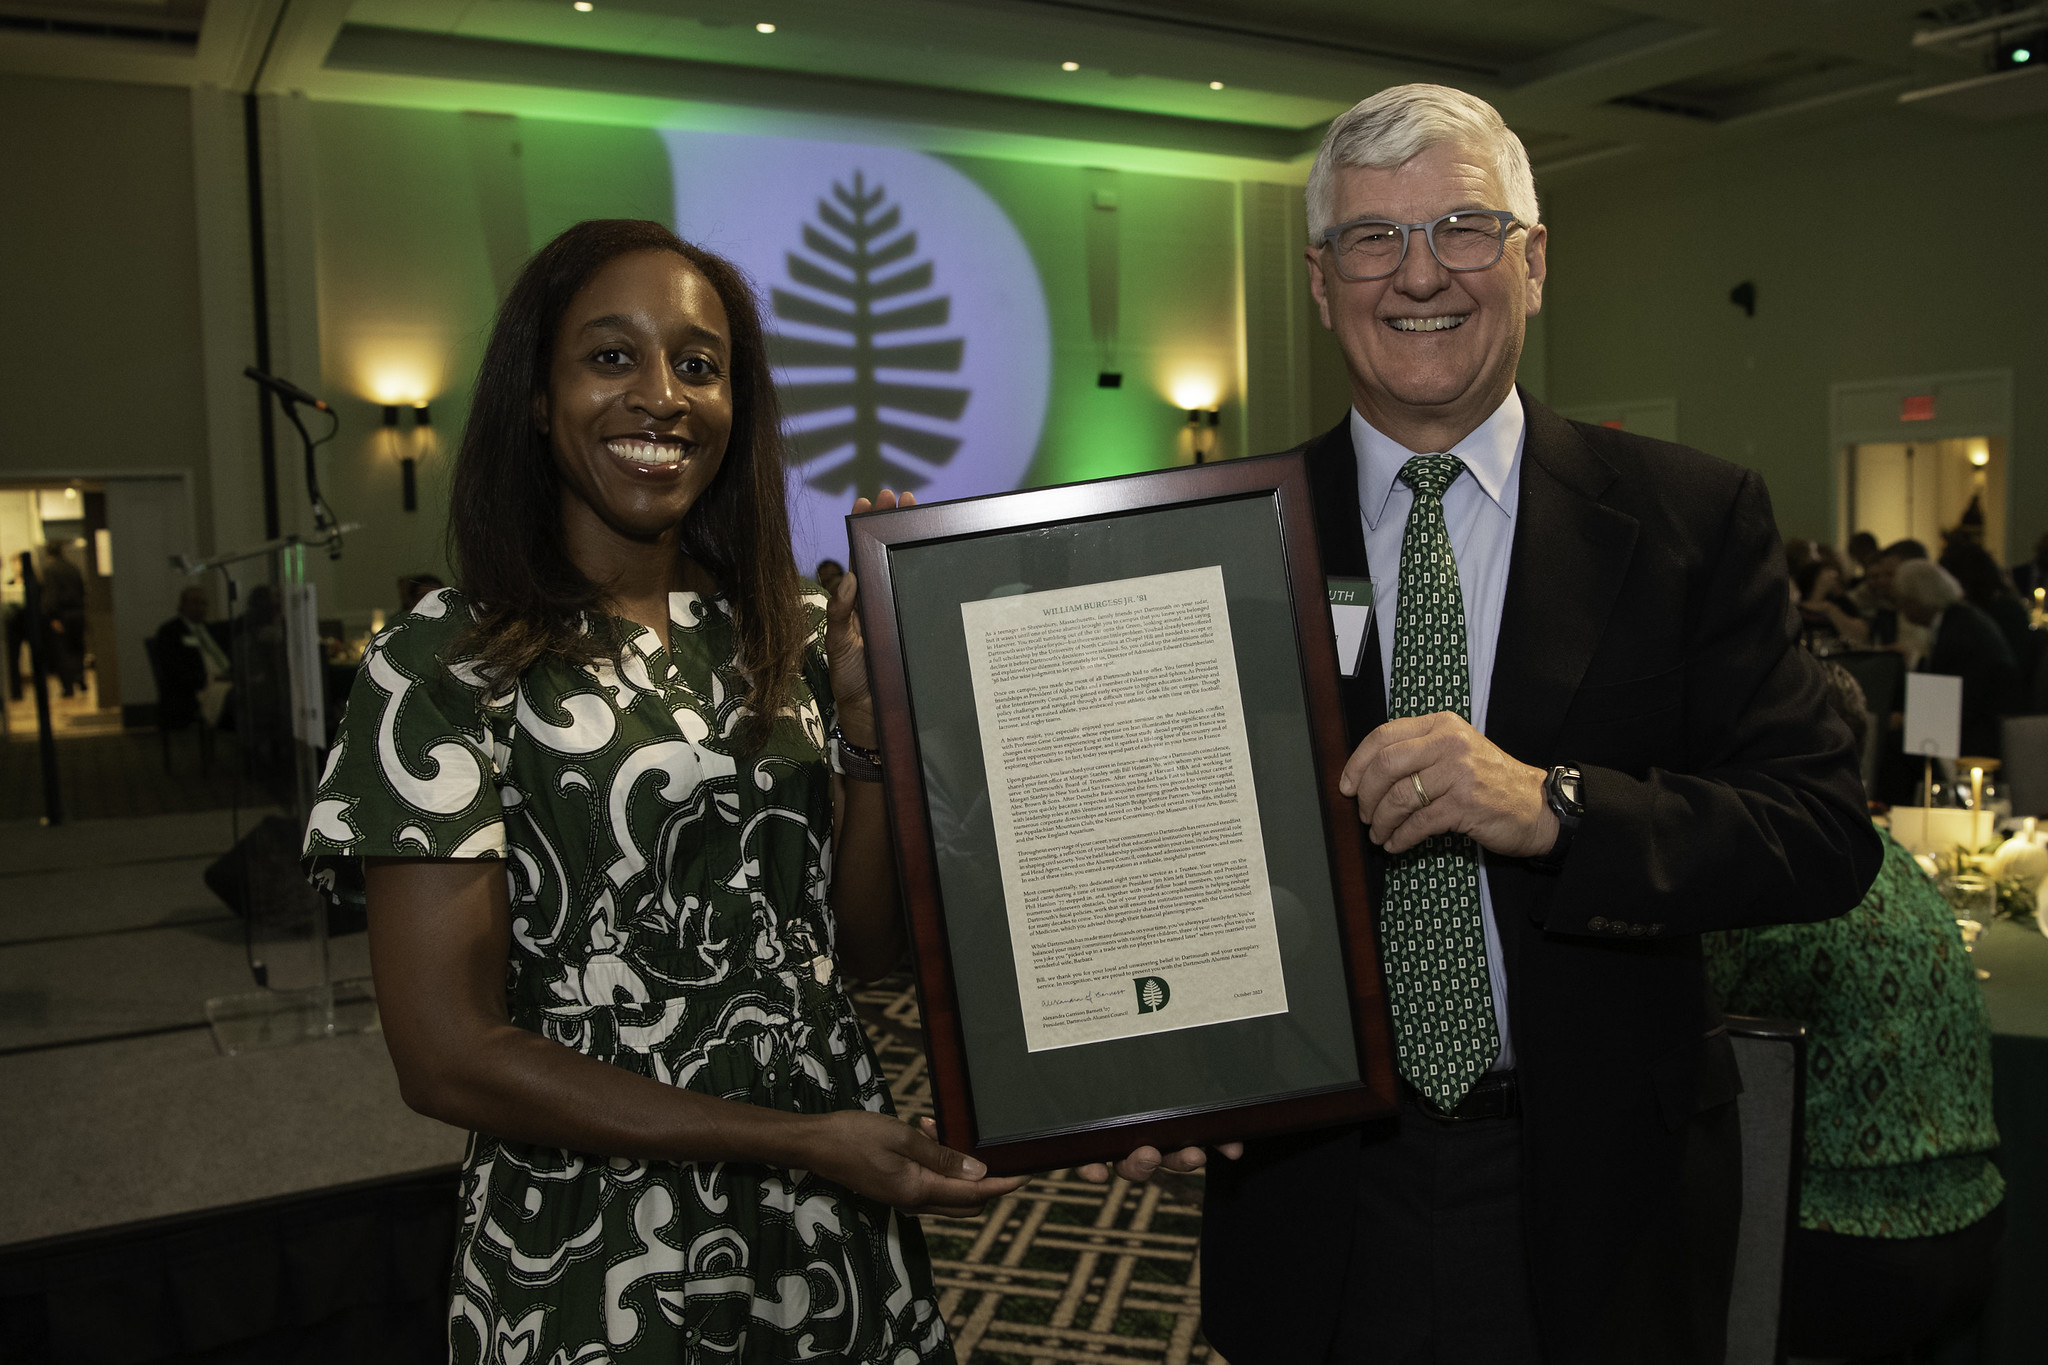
(1490,454)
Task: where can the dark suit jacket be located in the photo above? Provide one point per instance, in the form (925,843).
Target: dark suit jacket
(182,674)
(1969,645)
(1647,639)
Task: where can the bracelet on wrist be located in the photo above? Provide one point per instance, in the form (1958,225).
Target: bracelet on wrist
(856,762)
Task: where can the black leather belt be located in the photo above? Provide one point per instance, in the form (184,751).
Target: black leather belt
(1492,1096)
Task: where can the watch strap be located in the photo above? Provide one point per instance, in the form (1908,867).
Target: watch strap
(1568,812)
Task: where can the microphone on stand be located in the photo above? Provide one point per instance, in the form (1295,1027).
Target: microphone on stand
(285,389)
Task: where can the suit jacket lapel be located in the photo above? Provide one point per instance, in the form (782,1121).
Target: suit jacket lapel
(1570,555)
(1333,484)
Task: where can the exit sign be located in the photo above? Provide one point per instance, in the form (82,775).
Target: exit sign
(1917,408)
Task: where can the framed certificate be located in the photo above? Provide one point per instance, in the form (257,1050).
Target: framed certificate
(1111,736)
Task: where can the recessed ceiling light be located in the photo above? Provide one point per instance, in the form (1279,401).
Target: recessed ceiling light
(1070,66)
(764,28)
(1215,85)
(583,6)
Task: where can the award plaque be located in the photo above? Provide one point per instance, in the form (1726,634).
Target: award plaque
(1111,738)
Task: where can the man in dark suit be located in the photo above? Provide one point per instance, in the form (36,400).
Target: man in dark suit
(1965,643)
(1584,734)
(190,660)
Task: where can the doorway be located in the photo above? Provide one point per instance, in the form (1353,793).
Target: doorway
(63,529)
(121,531)
(1911,453)
(1922,490)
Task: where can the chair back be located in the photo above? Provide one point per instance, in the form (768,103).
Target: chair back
(1881,673)
(2025,772)
(1771,1055)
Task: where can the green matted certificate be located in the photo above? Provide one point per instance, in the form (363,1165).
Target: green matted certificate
(1111,738)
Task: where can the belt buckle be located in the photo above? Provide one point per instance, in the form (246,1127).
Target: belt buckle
(1493,1101)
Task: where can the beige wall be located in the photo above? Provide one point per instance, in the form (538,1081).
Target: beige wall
(100,365)
(1900,244)
(423,220)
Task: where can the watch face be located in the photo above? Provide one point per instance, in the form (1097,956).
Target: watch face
(1568,780)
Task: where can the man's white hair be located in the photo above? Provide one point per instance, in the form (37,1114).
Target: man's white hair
(1392,126)
(1925,584)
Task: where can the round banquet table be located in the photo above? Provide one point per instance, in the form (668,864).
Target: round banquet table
(2016,956)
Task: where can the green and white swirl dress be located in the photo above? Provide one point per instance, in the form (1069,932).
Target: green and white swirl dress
(669,916)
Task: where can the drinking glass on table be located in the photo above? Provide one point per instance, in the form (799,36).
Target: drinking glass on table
(1972,894)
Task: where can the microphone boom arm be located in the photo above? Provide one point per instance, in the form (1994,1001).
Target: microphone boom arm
(290,396)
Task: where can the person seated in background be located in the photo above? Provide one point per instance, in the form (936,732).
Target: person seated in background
(413,587)
(2034,573)
(1986,587)
(1883,611)
(1845,568)
(1826,612)
(1963,643)
(1863,548)
(1900,1208)
(830,571)
(193,669)
(1798,554)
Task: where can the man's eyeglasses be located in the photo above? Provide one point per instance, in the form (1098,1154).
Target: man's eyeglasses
(1373,248)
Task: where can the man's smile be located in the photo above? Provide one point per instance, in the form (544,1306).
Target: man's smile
(1436,324)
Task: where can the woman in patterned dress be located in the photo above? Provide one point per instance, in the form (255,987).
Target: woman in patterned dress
(587,799)
(1901,1210)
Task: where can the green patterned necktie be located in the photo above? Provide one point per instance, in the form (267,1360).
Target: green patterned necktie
(1435,944)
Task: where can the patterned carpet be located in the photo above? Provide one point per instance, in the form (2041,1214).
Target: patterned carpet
(1062,1270)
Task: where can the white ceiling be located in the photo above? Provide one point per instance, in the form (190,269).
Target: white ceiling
(1586,82)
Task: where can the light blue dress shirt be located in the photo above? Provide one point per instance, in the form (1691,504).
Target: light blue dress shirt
(1479,511)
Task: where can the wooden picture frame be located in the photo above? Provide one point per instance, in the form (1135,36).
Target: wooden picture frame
(912,563)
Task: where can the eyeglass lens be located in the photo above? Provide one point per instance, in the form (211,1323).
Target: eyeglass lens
(1463,242)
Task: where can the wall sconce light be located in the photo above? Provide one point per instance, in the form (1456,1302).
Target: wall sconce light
(407,466)
(1200,420)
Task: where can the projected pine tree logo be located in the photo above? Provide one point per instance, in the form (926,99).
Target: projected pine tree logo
(846,261)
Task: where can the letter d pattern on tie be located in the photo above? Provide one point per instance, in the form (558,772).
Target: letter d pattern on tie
(1432,939)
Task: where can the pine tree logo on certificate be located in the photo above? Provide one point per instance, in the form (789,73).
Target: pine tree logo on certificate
(1153,993)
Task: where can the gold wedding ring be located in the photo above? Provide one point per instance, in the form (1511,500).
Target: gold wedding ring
(1420,794)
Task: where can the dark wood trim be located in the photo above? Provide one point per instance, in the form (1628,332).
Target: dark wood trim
(871,536)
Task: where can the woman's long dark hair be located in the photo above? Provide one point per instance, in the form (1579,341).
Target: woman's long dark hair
(505,522)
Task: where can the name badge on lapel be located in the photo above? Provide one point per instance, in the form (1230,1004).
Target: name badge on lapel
(1351,617)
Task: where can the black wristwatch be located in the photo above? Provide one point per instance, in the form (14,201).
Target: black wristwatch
(1563,792)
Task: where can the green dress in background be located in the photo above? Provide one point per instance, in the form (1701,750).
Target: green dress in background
(1898,1056)
(669,916)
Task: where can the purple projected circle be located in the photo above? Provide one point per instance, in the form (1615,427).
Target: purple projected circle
(909,324)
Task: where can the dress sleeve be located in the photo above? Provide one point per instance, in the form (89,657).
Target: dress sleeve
(414,771)
(817,673)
